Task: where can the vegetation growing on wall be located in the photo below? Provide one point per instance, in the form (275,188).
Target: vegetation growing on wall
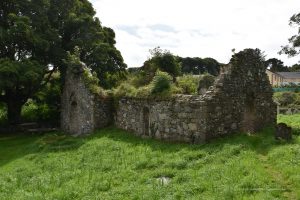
(161,76)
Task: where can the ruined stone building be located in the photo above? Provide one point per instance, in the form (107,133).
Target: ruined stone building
(239,101)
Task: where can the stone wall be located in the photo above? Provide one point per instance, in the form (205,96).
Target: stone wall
(239,101)
(82,112)
(178,119)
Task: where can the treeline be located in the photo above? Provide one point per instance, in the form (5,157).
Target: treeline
(197,65)
(176,65)
(276,65)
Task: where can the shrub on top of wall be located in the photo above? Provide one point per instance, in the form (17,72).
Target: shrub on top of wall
(206,80)
(144,92)
(188,84)
(125,89)
(161,82)
(162,86)
(92,82)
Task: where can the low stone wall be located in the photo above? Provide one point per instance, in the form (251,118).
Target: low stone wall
(179,119)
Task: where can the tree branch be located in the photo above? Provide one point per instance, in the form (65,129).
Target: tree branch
(47,79)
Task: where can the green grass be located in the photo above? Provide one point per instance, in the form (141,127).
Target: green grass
(113,164)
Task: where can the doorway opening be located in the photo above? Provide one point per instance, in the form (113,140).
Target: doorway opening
(146,121)
(249,115)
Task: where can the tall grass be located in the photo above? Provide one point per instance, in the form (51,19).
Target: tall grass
(114,164)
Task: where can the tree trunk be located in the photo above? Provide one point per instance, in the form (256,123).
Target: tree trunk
(174,79)
(14,112)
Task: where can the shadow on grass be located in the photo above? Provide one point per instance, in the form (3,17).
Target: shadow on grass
(16,146)
(260,142)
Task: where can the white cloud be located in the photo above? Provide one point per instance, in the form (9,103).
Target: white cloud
(198,28)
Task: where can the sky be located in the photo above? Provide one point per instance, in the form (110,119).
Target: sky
(198,28)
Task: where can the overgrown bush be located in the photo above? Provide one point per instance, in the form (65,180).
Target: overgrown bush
(29,111)
(92,82)
(48,100)
(286,98)
(161,85)
(188,84)
(161,82)
(206,80)
(125,89)
(39,112)
(297,100)
(144,92)
(140,78)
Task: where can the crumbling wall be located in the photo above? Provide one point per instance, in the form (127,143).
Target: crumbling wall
(239,101)
(241,98)
(82,111)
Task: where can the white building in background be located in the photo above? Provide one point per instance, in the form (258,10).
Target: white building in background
(283,78)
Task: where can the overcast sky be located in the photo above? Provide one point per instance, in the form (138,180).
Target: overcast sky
(198,28)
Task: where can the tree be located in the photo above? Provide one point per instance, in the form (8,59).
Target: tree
(18,81)
(192,65)
(164,61)
(212,66)
(22,56)
(199,66)
(35,37)
(293,48)
(295,68)
(276,65)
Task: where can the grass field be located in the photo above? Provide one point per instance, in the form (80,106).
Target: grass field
(113,164)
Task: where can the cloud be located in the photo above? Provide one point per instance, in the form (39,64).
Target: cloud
(162,27)
(132,30)
(198,28)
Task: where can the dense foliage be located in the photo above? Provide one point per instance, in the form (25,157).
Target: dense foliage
(199,65)
(287,99)
(276,65)
(153,78)
(188,83)
(161,82)
(162,60)
(35,37)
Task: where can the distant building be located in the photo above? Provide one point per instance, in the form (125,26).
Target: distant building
(275,78)
(290,77)
(283,78)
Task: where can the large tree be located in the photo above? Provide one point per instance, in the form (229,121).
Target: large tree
(293,48)
(276,65)
(35,37)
